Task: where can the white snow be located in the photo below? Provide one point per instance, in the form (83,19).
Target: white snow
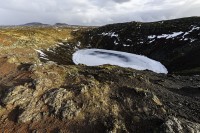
(78,44)
(186,33)
(192,40)
(115,42)
(193,28)
(151,36)
(126,45)
(152,41)
(96,57)
(163,36)
(44,58)
(111,34)
(167,36)
(60,43)
(174,34)
(50,50)
(41,53)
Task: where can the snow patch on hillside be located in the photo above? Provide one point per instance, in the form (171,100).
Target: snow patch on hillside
(111,34)
(167,36)
(95,57)
(42,54)
(176,34)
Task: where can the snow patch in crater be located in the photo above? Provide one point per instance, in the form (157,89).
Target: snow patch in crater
(96,57)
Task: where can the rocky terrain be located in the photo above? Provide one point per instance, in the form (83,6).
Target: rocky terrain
(174,43)
(42,90)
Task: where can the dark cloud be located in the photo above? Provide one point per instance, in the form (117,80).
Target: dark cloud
(94,12)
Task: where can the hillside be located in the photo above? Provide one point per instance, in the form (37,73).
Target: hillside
(175,43)
(42,90)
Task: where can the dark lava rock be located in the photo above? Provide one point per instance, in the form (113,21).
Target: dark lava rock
(175,43)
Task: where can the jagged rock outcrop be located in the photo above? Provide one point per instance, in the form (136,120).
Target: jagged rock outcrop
(176,125)
(105,98)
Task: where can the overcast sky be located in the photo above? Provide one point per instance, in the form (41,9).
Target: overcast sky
(94,12)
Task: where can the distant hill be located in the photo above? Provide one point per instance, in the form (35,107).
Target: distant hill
(35,24)
(61,24)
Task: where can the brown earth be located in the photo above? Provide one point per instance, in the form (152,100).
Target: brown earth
(40,97)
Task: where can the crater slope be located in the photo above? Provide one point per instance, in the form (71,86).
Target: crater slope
(42,90)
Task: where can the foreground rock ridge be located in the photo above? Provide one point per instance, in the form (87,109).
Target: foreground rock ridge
(42,90)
